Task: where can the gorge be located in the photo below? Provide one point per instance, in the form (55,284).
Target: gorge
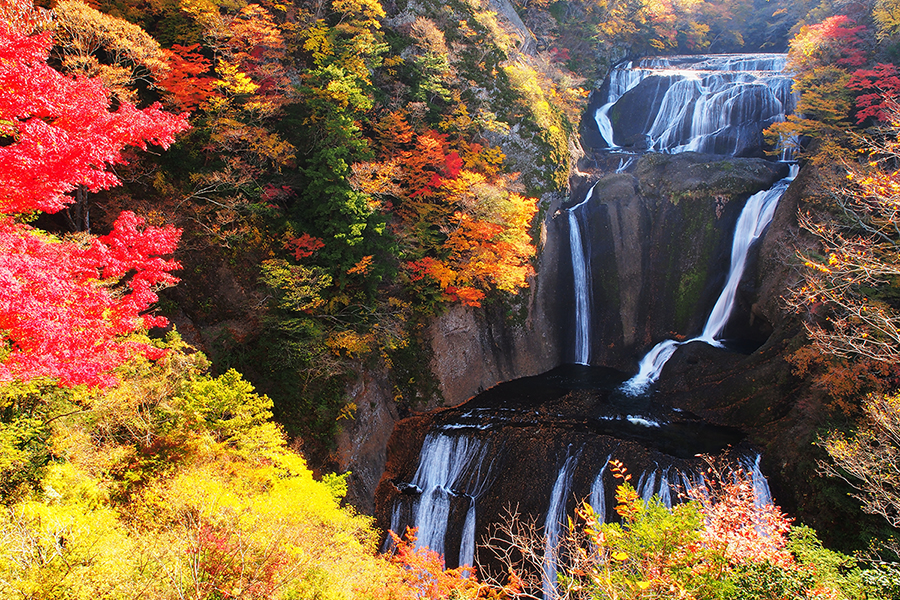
(657,241)
(283,280)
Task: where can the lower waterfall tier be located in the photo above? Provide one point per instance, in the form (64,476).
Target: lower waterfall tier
(515,447)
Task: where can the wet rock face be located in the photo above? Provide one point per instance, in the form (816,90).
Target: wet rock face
(658,245)
(504,451)
(635,113)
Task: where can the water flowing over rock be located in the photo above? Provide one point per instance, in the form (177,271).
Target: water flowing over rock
(597,498)
(554,522)
(538,446)
(711,104)
(451,470)
(655,247)
(755,217)
(581,281)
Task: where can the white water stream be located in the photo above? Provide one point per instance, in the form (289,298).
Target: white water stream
(755,217)
(580,273)
(711,103)
(449,467)
(582,284)
(556,517)
(597,499)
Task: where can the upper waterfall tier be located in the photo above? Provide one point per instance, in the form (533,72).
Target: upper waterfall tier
(711,104)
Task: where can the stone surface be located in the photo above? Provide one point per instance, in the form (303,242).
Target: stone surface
(361,445)
(658,243)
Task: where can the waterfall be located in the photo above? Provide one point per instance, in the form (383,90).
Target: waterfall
(597,498)
(755,217)
(556,515)
(645,485)
(665,491)
(712,104)
(761,493)
(449,467)
(467,542)
(581,277)
(621,79)
(475,490)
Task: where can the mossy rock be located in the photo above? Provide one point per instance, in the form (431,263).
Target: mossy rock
(675,177)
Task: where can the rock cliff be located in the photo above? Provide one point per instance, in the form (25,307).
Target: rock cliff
(658,242)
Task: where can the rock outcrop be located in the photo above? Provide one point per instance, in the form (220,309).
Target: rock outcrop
(658,243)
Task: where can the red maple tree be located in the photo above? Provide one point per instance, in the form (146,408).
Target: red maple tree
(67,306)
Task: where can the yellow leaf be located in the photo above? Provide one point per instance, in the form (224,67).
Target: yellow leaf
(620,556)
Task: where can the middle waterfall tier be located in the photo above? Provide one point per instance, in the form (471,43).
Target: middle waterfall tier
(755,217)
(648,254)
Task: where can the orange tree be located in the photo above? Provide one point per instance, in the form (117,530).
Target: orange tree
(461,232)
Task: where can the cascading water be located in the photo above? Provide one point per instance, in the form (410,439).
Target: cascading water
(582,304)
(479,486)
(665,489)
(646,485)
(756,216)
(581,277)
(711,104)
(761,493)
(597,499)
(556,516)
(449,468)
(621,79)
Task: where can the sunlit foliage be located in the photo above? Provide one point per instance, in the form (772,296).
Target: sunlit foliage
(719,543)
(463,231)
(176,484)
(823,57)
(66,306)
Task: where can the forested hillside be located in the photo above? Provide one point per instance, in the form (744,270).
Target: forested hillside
(215,213)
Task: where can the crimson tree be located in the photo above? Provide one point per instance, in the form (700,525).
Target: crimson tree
(67,306)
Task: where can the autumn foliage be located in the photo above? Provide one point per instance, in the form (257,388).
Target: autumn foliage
(188,80)
(65,135)
(881,87)
(58,320)
(424,575)
(722,542)
(67,305)
(463,229)
(848,282)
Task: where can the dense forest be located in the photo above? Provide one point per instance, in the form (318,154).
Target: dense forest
(215,214)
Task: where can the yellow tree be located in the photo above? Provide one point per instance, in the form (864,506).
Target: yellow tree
(120,54)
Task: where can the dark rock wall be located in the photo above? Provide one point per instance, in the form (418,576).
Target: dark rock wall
(659,245)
